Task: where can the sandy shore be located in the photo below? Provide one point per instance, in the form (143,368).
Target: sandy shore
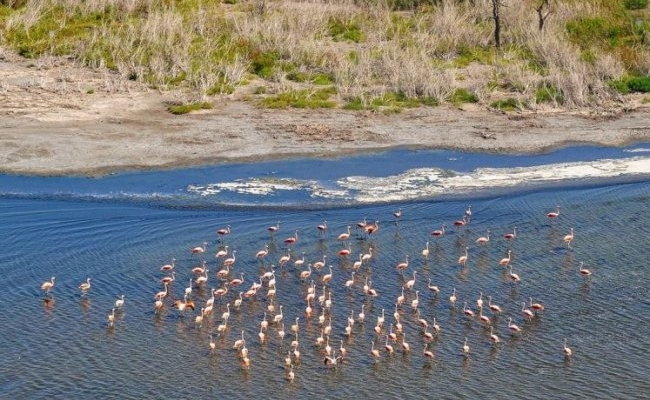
(56,119)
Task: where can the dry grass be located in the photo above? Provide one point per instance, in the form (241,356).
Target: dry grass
(369,49)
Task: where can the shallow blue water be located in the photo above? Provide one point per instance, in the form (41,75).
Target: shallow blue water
(120,229)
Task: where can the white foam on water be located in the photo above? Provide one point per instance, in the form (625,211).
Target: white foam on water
(421,183)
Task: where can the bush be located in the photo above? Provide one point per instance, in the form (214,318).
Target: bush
(186,108)
(462,95)
(639,84)
(635,4)
(549,94)
(507,104)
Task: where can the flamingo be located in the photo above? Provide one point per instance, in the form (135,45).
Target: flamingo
(465,348)
(299,262)
(238,301)
(397,215)
(119,302)
(162,294)
(357,264)
(536,306)
(230,261)
(198,320)
(433,288)
(452,298)
(48,285)
(200,270)
(512,235)
(568,239)
(506,261)
(168,279)
(281,332)
(404,264)
(201,280)
(237,281)
(388,347)
(223,232)
(199,249)
(461,222)
(182,305)
(513,328)
(405,346)
(567,351)
(484,239)
(169,267)
(306,274)
(425,251)
(513,276)
(222,253)
(327,277)
(462,260)
(332,360)
(362,315)
(285,259)
(320,264)
(493,336)
(484,318)
(381,318)
(528,314)
(212,344)
(493,307)
(85,287)
(584,271)
(427,353)
(274,228)
(374,352)
(416,301)
(438,233)
(345,252)
(188,290)
(295,327)
(292,239)
(411,282)
(554,214)
(345,235)
(278,318)
(367,256)
(371,228)
(467,311)
(350,282)
(435,326)
(111,318)
(468,212)
(400,298)
(291,375)
(263,253)
(239,342)
(322,228)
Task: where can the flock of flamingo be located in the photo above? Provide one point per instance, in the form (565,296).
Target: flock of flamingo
(406,330)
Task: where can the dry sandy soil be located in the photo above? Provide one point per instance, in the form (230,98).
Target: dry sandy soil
(57,119)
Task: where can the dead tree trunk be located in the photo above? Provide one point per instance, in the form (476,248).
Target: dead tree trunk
(541,15)
(496,14)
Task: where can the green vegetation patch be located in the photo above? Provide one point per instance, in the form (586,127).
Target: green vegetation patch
(317,78)
(509,104)
(549,94)
(187,108)
(639,84)
(635,4)
(390,101)
(319,98)
(342,31)
(462,95)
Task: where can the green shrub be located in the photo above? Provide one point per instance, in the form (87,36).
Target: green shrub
(302,99)
(507,104)
(639,84)
(186,108)
(635,4)
(263,63)
(462,95)
(344,30)
(549,94)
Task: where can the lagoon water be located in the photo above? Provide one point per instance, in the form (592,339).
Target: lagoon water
(118,230)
